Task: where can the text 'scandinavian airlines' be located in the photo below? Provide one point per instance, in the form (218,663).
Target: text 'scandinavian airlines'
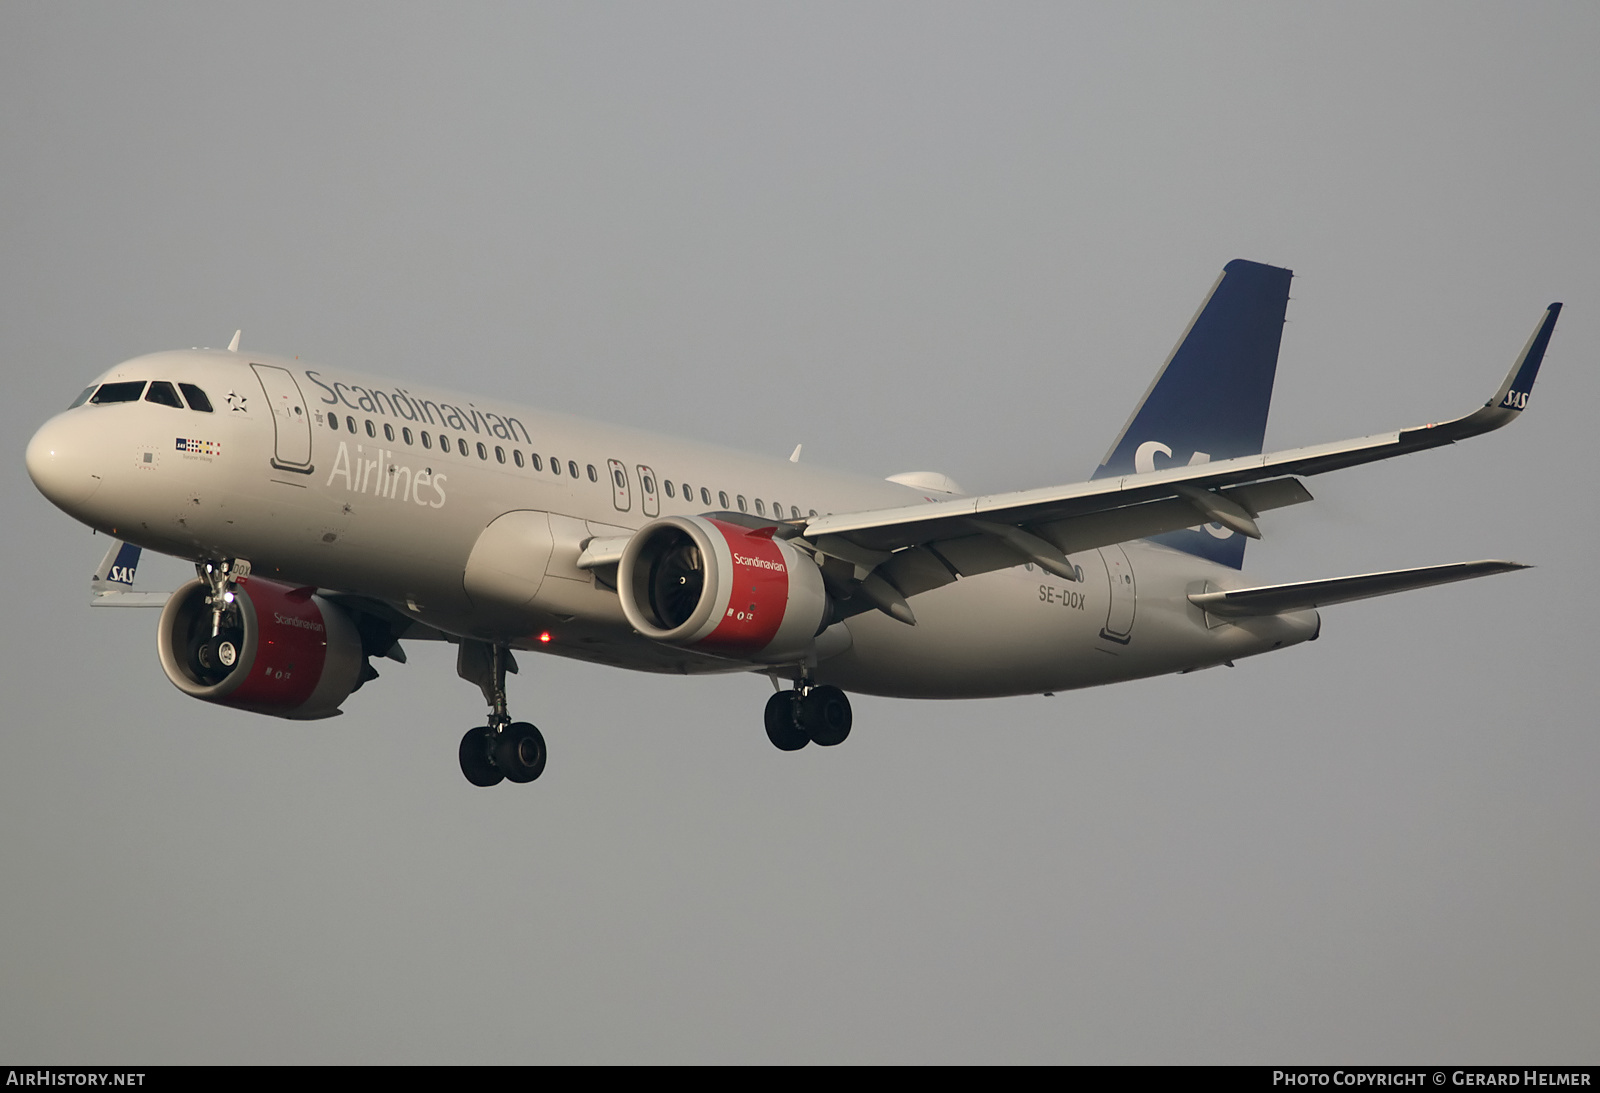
(330,516)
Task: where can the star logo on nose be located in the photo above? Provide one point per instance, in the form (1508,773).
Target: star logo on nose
(236,403)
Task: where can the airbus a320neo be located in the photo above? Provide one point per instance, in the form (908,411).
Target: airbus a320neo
(331,516)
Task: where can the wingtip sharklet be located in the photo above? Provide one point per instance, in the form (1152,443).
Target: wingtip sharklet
(1513,393)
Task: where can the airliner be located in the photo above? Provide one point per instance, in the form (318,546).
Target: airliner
(331,516)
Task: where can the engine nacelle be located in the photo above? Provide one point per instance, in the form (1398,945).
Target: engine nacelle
(282,650)
(722,589)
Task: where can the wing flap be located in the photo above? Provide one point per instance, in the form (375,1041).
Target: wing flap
(942,560)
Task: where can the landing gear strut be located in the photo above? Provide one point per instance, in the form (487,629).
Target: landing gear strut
(502,749)
(808,714)
(214,650)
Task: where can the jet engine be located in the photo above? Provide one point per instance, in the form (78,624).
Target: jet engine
(279,650)
(718,588)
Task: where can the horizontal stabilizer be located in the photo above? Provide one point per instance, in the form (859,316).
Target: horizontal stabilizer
(1275,599)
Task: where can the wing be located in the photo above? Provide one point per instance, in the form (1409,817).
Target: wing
(888,555)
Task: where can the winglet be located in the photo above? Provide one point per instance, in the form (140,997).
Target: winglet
(1507,403)
(113,580)
(116,570)
(1513,393)
(233,346)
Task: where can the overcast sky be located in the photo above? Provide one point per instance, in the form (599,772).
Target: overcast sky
(913,237)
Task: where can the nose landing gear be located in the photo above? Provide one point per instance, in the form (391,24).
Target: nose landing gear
(503,749)
(214,647)
(808,714)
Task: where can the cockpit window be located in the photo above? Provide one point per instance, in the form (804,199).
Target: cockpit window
(83,398)
(119,392)
(197,398)
(161,391)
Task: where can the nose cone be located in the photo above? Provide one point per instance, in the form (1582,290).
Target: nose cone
(61,461)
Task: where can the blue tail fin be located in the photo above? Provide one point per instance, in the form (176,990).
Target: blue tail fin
(1210,399)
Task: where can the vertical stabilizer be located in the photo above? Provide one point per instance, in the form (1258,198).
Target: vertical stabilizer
(1210,400)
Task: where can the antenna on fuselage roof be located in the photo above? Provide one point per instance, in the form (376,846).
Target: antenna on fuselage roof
(794,456)
(233,346)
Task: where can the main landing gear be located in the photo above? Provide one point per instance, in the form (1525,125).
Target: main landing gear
(808,714)
(503,749)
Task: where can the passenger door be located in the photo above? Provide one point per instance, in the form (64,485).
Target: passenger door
(291,423)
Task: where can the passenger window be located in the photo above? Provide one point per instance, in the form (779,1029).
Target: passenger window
(461,445)
(794,513)
(760,509)
(405,435)
(593,477)
(119,392)
(723,498)
(649,484)
(555,465)
(516,456)
(426,443)
(667,482)
(197,398)
(388,431)
(573,467)
(705,497)
(538,464)
(83,398)
(499,454)
(350,423)
(622,483)
(370,430)
(741,503)
(333,422)
(483,453)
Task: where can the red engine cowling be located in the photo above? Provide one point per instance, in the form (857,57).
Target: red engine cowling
(721,589)
(282,650)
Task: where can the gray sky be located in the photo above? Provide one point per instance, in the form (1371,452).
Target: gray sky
(916,236)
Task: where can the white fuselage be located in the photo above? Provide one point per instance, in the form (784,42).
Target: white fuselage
(363,505)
